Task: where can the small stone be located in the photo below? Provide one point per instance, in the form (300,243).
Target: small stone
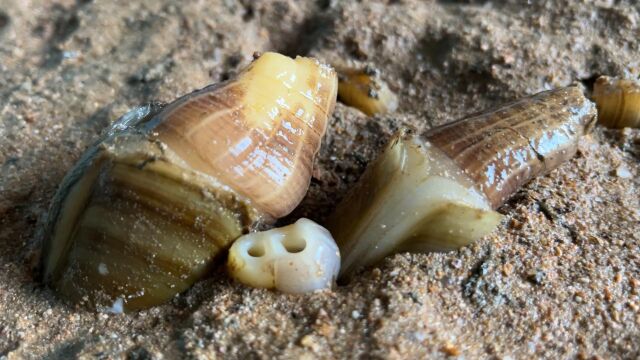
(623,172)
(355,314)
(595,240)
(515,224)
(537,277)
(450,349)
(322,314)
(617,278)
(326,330)
(615,315)
(558,251)
(376,273)
(139,353)
(507,269)
(308,342)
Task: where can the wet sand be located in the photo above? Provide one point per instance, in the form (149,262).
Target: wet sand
(559,278)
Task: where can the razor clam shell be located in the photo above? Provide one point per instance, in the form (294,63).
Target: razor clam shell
(365,91)
(420,206)
(124,205)
(269,158)
(148,208)
(130,120)
(618,102)
(503,149)
(411,197)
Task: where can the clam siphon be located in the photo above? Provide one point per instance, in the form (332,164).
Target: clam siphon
(297,258)
(618,102)
(439,191)
(147,210)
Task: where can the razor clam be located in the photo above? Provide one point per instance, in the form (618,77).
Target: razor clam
(618,102)
(365,90)
(439,191)
(147,210)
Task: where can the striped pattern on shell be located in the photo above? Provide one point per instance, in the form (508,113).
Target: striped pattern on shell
(503,149)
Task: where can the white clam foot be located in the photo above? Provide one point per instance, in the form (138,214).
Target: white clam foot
(297,258)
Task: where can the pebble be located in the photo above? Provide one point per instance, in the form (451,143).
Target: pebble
(308,342)
(623,172)
(537,277)
(456,263)
(450,349)
(507,269)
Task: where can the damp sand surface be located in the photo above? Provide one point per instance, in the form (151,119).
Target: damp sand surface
(559,278)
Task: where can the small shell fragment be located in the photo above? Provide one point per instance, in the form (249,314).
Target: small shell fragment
(298,258)
(366,91)
(618,102)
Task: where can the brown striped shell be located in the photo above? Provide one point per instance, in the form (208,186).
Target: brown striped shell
(438,191)
(265,150)
(147,210)
(503,149)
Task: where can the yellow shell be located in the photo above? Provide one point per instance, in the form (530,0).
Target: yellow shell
(146,211)
(366,91)
(618,102)
(259,133)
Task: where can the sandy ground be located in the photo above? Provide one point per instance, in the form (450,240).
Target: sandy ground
(560,277)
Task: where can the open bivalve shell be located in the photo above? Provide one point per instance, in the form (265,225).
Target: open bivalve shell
(147,210)
(438,191)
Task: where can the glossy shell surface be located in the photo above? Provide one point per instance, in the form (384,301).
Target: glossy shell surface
(436,192)
(618,102)
(148,209)
(502,149)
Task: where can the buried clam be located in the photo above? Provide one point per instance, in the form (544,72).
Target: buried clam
(365,90)
(439,191)
(145,212)
(618,102)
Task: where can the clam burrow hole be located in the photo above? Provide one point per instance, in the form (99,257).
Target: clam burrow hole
(256,250)
(294,244)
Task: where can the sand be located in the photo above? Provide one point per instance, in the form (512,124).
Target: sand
(559,278)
